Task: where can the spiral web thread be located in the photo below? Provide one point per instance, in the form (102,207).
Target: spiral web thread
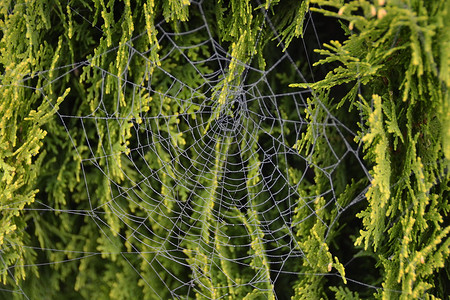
(214,178)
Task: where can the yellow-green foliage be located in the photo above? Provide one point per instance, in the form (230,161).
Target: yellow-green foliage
(396,71)
(86,213)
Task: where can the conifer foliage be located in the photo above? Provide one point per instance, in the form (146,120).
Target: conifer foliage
(189,149)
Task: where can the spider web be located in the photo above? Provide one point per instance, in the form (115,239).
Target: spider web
(202,193)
